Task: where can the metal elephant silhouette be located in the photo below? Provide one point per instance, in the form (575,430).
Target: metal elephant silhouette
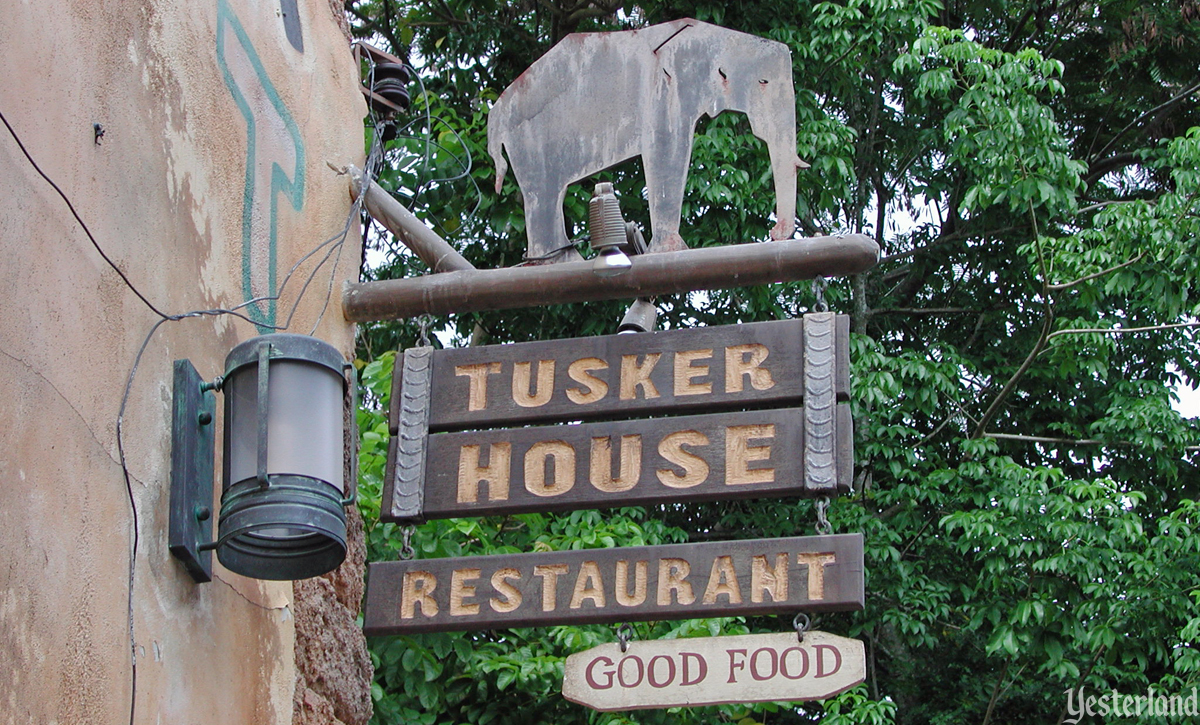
(597,99)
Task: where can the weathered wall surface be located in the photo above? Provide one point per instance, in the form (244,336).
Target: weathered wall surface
(209,183)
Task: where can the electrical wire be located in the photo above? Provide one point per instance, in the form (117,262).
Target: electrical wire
(75,214)
(573,244)
(338,243)
(463,161)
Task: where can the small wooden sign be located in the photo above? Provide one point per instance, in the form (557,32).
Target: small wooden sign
(714,671)
(696,369)
(679,581)
(626,463)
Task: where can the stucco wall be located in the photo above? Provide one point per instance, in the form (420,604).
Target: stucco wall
(190,96)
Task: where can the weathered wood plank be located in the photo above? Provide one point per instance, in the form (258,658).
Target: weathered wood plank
(698,369)
(627,463)
(714,671)
(680,581)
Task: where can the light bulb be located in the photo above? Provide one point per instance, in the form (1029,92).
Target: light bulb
(611,262)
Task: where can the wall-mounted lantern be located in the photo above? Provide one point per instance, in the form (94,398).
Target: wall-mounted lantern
(285,470)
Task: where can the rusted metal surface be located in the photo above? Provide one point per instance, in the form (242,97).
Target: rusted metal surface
(628,584)
(736,265)
(597,99)
(363,49)
(423,241)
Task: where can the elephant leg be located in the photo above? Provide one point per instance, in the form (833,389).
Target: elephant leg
(545,226)
(666,176)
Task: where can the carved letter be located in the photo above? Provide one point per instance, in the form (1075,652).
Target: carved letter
(549,574)
(471,474)
(596,388)
(563,468)
(739,454)
(477,385)
(545,384)
(672,577)
(634,375)
(417,589)
(770,579)
(630,464)
(695,468)
(685,372)
(512,595)
(624,598)
(722,580)
(588,586)
(816,564)
(738,365)
(460,591)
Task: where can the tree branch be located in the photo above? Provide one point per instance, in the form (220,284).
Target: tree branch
(927,311)
(1062,715)
(1043,338)
(1081,280)
(374,26)
(1122,330)
(1067,441)
(987,717)
(1098,169)
(1165,104)
(1100,205)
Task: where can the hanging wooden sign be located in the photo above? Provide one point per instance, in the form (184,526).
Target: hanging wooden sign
(679,581)
(714,671)
(695,369)
(759,366)
(624,463)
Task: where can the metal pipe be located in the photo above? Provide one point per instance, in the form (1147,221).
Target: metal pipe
(423,241)
(735,265)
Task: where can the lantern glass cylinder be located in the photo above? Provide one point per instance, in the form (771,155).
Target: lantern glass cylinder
(281,509)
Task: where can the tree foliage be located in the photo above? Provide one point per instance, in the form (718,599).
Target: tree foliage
(1026,490)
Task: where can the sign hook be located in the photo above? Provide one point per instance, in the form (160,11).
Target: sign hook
(624,634)
(801,622)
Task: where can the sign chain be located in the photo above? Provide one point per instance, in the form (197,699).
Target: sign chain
(406,548)
(424,321)
(818,287)
(823,526)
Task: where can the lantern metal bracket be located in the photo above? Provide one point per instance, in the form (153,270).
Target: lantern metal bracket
(192,446)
